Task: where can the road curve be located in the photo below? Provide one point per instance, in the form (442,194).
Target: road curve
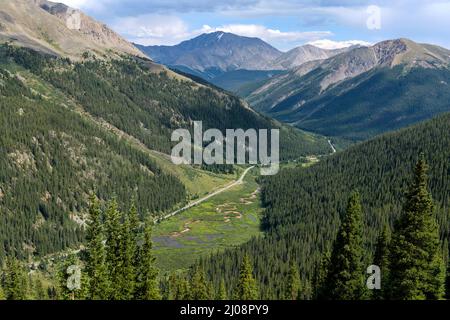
(332,147)
(209,196)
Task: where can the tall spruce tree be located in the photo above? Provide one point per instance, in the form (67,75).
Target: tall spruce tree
(381,259)
(247,288)
(14,280)
(128,248)
(113,249)
(417,270)
(2,294)
(306,290)
(147,285)
(320,276)
(222,293)
(178,287)
(96,268)
(345,279)
(198,285)
(293,286)
(447,283)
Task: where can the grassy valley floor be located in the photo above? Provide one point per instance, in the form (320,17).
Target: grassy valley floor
(226,220)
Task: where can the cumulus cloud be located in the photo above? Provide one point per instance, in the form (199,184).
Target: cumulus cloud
(267,34)
(424,21)
(153,29)
(135,7)
(330,44)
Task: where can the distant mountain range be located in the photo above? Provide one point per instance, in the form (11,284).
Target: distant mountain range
(361,92)
(211,56)
(352,93)
(300,55)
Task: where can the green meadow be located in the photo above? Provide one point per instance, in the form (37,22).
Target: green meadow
(224,221)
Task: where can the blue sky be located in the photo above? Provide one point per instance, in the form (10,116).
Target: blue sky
(283,23)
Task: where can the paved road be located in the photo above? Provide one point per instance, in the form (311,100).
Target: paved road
(332,147)
(215,193)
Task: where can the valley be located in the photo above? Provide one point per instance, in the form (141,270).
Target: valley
(88,188)
(223,221)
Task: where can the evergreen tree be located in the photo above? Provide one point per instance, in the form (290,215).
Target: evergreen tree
(293,286)
(417,269)
(247,288)
(2,294)
(147,286)
(96,267)
(178,287)
(14,280)
(198,286)
(320,276)
(113,249)
(222,294)
(345,279)
(127,256)
(447,283)
(381,259)
(307,291)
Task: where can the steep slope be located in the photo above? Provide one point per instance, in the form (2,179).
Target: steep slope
(304,205)
(363,92)
(216,52)
(53,156)
(58,29)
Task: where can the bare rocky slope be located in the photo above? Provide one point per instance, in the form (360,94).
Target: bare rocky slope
(58,29)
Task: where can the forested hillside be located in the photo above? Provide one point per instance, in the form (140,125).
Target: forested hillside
(150,105)
(54,152)
(51,160)
(304,206)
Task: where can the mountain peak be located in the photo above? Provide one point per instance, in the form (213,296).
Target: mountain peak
(218,51)
(410,53)
(58,29)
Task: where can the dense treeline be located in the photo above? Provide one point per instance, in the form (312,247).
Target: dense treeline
(304,207)
(149,105)
(408,266)
(51,158)
(117,263)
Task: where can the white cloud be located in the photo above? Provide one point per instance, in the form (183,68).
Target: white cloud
(78,4)
(267,34)
(87,6)
(330,44)
(153,29)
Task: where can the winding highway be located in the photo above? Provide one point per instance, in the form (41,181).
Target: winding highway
(207,197)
